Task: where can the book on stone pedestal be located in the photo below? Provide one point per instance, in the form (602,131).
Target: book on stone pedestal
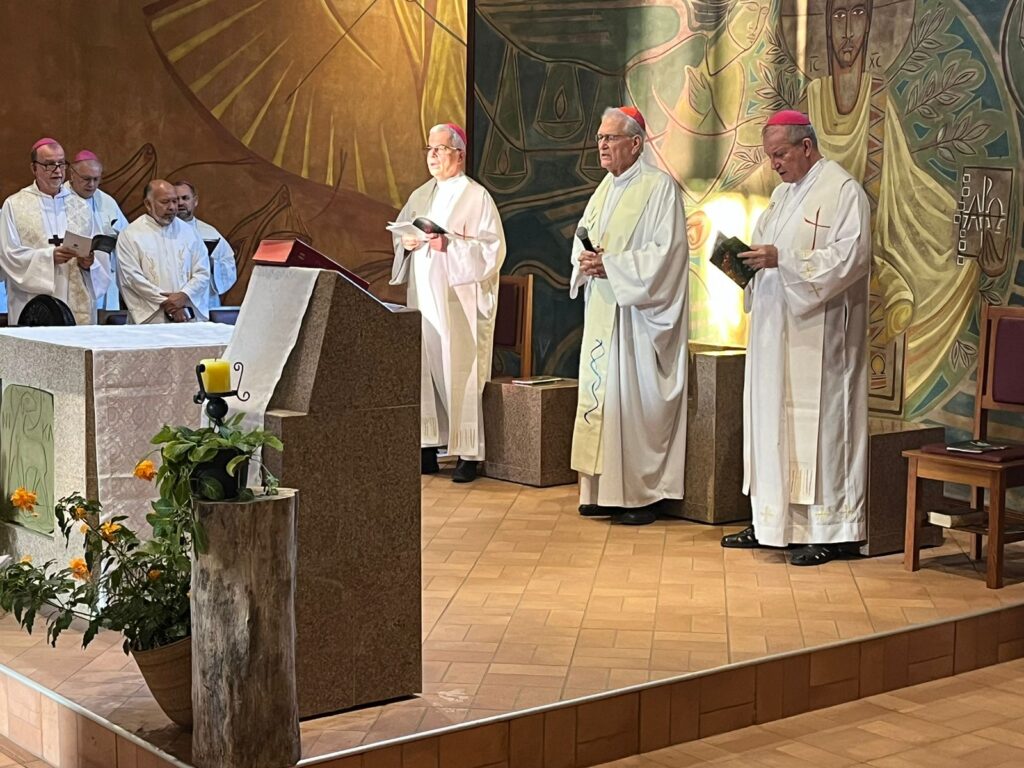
(725,256)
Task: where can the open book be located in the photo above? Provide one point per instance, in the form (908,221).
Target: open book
(725,256)
(85,245)
(418,227)
(537,381)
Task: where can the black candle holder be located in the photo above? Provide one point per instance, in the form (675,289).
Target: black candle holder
(216,407)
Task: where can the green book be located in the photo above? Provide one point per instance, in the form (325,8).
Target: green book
(725,256)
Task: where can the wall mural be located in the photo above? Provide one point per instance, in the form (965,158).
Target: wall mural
(919,99)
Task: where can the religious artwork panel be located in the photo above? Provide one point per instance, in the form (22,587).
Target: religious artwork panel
(26,457)
(909,96)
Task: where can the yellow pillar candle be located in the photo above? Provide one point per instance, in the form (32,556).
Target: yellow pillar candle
(216,376)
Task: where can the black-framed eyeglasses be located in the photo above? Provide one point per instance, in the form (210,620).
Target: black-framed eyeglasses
(50,165)
(86,179)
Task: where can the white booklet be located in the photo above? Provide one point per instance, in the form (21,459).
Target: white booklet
(406,229)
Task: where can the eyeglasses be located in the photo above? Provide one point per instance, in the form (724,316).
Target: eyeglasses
(86,179)
(437,150)
(50,166)
(609,137)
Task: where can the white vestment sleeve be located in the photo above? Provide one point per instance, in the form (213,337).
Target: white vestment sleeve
(30,269)
(198,286)
(400,267)
(140,296)
(648,277)
(224,273)
(100,273)
(811,278)
(475,259)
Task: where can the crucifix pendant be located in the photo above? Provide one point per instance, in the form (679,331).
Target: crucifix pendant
(55,240)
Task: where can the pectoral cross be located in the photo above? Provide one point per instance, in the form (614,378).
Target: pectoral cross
(817,226)
(55,240)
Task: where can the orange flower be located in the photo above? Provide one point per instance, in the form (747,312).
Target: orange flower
(78,568)
(109,530)
(80,513)
(145,470)
(27,559)
(24,500)
(84,528)
(155,574)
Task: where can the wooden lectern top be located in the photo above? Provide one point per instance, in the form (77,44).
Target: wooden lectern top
(295,253)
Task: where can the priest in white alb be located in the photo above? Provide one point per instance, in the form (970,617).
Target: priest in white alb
(805,399)
(163,268)
(33,258)
(453,282)
(85,175)
(223,271)
(632,261)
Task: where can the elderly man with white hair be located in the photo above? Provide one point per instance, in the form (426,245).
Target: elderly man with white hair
(631,259)
(452,273)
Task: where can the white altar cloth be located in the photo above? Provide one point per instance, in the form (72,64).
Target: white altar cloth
(140,376)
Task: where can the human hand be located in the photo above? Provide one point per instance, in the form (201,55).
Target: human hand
(411,242)
(438,243)
(179,316)
(174,302)
(62,254)
(592,263)
(761,257)
(86,262)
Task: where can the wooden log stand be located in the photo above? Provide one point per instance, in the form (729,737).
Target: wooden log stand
(245,707)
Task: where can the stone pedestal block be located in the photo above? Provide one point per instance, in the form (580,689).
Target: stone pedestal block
(244,701)
(714,438)
(887,484)
(528,432)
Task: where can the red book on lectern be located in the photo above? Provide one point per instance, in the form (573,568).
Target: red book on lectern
(295,253)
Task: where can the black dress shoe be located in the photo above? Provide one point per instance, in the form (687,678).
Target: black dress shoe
(428,461)
(593,510)
(639,516)
(465,471)
(817,554)
(745,539)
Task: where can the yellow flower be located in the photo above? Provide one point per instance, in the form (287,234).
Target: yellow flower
(80,513)
(109,530)
(78,568)
(24,500)
(27,559)
(145,470)
(155,574)
(84,528)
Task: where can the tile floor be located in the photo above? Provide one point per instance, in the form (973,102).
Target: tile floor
(525,603)
(973,720)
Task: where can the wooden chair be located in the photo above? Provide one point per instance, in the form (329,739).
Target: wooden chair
(513,327)
(1000,388)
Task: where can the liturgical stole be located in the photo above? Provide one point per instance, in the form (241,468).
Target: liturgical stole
(600,315)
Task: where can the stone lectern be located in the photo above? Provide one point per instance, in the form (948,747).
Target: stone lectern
(347,408)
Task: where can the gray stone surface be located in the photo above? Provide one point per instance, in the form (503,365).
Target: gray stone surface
(528,432)
(347,409)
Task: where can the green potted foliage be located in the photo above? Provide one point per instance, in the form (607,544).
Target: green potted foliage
(140,588)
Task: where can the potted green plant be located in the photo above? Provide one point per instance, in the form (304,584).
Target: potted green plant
(141,587)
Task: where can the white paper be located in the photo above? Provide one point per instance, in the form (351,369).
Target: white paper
(407,229)
(78,243)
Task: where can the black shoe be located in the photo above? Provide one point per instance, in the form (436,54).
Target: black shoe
(428,461)
(639,516)
(465,471)
(745,539)
(593,510)
(817,554)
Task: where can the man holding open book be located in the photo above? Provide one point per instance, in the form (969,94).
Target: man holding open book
(805,405)
(449,247)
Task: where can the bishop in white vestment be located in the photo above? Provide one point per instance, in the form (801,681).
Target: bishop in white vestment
(86,173)
(223,271)
(33,259)
(805,428)
(163,268)
(629,441)
(453,282)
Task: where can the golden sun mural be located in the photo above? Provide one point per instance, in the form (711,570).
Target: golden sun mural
(340,92)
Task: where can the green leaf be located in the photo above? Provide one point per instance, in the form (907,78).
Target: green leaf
(235,462)
(210,488)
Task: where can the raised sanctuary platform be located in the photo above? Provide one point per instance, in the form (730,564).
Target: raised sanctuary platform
(532,615)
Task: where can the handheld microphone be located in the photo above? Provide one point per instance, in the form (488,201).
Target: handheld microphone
(584,237)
